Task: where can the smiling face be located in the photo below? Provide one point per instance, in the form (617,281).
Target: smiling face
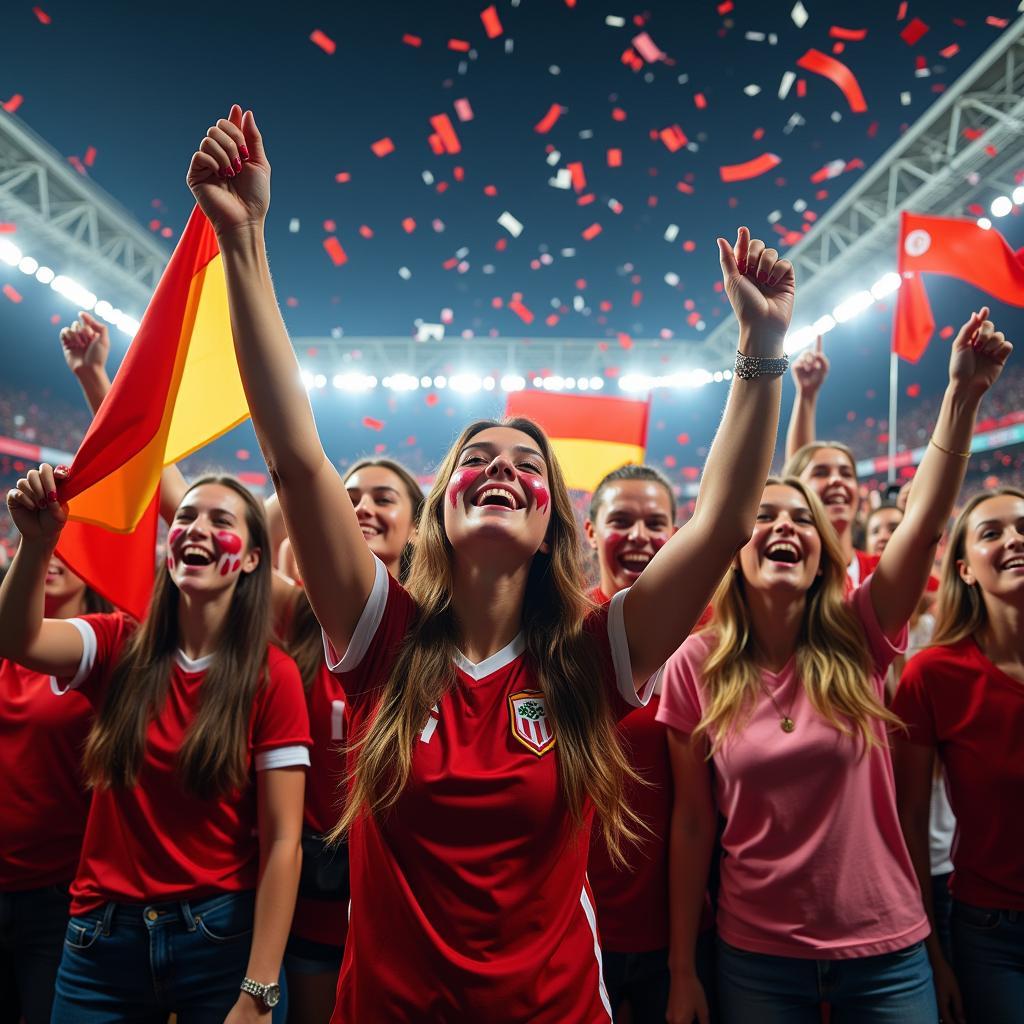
(499,493)
(384,510)
(633,523)
(784,551)
(881,526)
(832,476)
(208,541)
(994,548)
(62,586)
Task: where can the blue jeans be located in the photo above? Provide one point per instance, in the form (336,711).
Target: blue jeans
(988,960)
(32,926)
(894,988)
(942,904)
(134,964)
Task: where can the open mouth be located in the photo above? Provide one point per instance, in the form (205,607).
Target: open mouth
(1013,563)
(497,497)
(195,556)
(784,552)
(369,530)
(634,561)
(836,498)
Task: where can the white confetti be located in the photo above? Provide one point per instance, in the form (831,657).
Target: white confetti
(509,45)
(671,232)
(563,179)
(617,21)
(800,205)
(922,72)
(587,133)
(905,98)
(671,279)
(404,273)
(510,224)
(293,225)
(567,254)
(788,78)
(773,39)
(755,37)
(799,14)
(554,70)
(836,116)
(553,157)
(752,89)
(429,332)
(774,217)
(578,304)
(428,178)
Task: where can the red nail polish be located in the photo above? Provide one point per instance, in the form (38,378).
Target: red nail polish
(229,173)
(51,495)
(244,152)
(221,173)
(237,164)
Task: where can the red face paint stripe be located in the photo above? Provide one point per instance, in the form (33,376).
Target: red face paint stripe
(540,493)
(460,482)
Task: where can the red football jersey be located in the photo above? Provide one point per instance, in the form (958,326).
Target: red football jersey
(43,800)
(318,920)
(469,898)
(953,698)
(156,841)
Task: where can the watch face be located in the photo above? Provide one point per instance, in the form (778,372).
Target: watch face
(273,995)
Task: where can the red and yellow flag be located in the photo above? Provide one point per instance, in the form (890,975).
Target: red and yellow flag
(590,435)
(177,389)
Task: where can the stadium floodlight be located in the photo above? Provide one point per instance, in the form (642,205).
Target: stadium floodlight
(886,285)
(9,252)
(73,292)
(440,381)
(596,383)
(320,380)
(1018,195)
(307,379)
(425,382)
(1001,206)
(44,275)
(465,383)
(401,382)
(554,383)
(28,265)
(489,383)
(513,382)
(849,308)
(823,324)
(631,382)
(353,382)
(128,324)
(799,339)
(984,223)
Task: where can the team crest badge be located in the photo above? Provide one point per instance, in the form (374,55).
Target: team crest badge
(529,720)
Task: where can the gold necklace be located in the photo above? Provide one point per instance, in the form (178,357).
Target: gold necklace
(786,723)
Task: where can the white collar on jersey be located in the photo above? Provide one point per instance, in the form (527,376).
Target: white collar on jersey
(199,665)
(490,665)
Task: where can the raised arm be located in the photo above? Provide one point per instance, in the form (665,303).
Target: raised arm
(86,345)
(975,363)
(51,646)
(809,371)
(230,178)
(672,592)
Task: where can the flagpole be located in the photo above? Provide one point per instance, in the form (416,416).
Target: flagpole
(894,394)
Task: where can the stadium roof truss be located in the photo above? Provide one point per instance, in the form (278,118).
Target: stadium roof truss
(57,210)
(965,146)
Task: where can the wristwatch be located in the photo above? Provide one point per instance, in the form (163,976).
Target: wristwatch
(268,996)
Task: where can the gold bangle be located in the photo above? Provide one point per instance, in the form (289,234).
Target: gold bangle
(962,455)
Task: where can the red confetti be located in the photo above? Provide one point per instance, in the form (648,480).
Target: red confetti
(674,138)
(521,311)
(700,101)
(335,251)
(839,74)
(490,190)
(463,111)
(913,31)
(330,226)
(689,245)
(324,41)
(996,22)
(90,156)
(614,157)
(431,399)
(618,114)
(902,12)
(13,103)
(6,228)
(436,145)
(592,232)
(950,51)
(751,169)
(579,179)
(683,439)
(366,231)
(458,45)
(11,292)
(852,35)
(442,124)
(492,23)
(547,122)
(409,225)
(724,7)
(411,40)
(382,147)
(946,333)
(914,390)
(342,176)
(44,18)
(625,341)
(371,424)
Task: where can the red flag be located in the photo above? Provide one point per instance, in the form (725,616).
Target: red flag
(913,324)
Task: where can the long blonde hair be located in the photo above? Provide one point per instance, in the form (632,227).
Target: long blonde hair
(833,662)
(590,760)
(961,608)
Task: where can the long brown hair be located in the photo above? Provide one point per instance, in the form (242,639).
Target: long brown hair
(214,755)
(961,608)
(833,662)
(590,760)
(304,641)
(801,458)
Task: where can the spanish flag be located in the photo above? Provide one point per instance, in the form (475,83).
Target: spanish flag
(178,388)
(590,435)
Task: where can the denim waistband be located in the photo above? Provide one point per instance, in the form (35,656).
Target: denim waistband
(150,915)
(1010,915)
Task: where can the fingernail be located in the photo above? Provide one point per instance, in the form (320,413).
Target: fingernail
(244,152)
(51,495)
(229,173)
(221,172)
(237,164)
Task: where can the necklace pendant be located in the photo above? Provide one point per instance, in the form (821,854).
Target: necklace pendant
(787,724)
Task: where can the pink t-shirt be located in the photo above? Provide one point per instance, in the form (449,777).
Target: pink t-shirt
(814,861)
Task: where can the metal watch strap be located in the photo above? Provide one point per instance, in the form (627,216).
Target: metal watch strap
(255,989)
(752,367)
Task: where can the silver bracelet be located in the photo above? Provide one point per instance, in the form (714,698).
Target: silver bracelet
(752,367)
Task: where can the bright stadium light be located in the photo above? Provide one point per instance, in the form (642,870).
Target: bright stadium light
(823,324)
(465,383)
(849,308)
(1001,206)
(44,275)
(554,383)
(886,285)
(1018,195)
(354,382)
(73,292)
(596,383)
(799,339)
(513,382)
(984,223)
(489,383)
(9,252)
(320,380)
(401,382)
(28,265)
(307,379)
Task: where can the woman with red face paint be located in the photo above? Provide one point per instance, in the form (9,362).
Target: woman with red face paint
(828,466)
(485,693)
(387,499)
(186,883)
(963,702)
(632,516)
(43,806)
(784,695)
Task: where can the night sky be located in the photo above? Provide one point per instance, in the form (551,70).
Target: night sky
(134,87)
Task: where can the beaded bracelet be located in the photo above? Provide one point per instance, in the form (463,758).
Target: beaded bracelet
(752,367)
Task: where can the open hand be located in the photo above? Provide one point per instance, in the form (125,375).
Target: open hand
(760,286)
(978,355)
(86,344)
(229,174)
(37,512)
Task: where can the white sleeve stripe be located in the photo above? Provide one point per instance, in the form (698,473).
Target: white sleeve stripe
(620,656)
(282,757)
(366,627)
(85,666)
